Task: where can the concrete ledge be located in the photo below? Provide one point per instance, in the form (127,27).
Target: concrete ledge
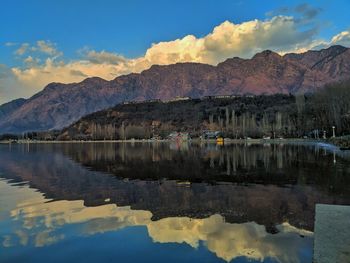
(332,234)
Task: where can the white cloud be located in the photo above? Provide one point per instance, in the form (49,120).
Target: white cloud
(343,38)
(30,61)
(52,71)
(10,44)
(41,46)
(22,49)
(46,47)
(104,57)
(244,40)
(10,87)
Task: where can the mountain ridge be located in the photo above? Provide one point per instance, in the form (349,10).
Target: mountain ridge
(267,72)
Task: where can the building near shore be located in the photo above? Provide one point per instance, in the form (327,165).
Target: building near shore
(178,98)
(211,134)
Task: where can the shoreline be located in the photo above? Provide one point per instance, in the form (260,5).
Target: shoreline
(196,140)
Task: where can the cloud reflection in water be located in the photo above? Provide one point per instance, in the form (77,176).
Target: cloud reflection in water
(38,221)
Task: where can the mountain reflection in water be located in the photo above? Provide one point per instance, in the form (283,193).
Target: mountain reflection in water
(252,202)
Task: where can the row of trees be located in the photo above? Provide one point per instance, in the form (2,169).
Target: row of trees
(249,124)
(326,108)
(97,131)
(309,115)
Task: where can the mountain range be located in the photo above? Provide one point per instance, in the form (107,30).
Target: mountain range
(59,105)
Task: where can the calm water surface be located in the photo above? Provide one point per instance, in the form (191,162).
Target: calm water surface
(165,202)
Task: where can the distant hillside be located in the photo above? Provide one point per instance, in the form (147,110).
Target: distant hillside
(234,117)
(59,105)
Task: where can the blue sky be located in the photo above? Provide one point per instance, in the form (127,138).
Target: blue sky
(130,27)
(106,31)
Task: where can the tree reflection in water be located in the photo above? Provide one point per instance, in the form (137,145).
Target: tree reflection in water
(238,200)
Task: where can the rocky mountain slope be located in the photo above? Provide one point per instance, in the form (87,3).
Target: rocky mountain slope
(58,105)
(9,107)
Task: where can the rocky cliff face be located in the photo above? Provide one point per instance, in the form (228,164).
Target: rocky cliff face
(59,105)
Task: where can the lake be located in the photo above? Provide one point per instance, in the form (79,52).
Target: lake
(165,202)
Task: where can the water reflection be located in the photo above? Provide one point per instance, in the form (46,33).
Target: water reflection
(40,222)
(238,201)
(268,163)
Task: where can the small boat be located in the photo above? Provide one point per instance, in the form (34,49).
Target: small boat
(183,183)
(220,141)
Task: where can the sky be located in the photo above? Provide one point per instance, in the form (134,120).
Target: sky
(68,41)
